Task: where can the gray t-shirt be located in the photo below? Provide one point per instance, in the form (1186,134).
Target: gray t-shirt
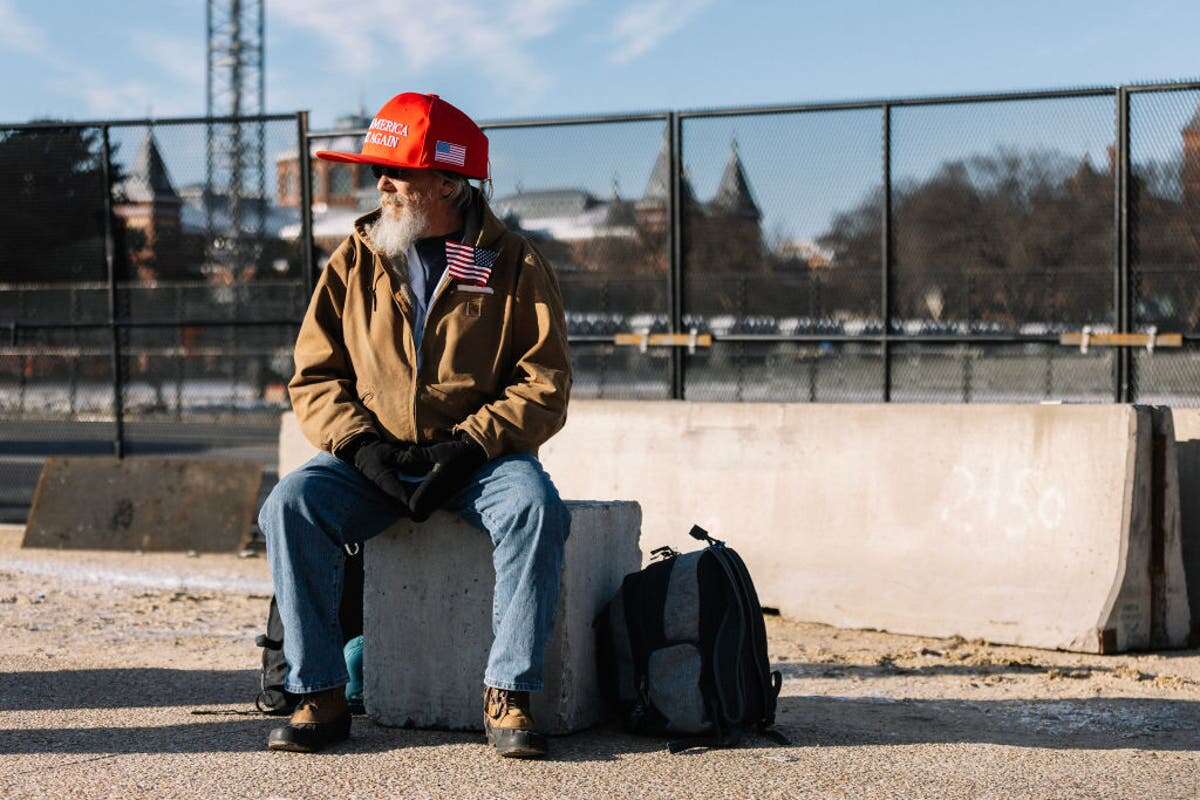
(426,265)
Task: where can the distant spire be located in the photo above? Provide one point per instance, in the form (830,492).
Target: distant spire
(658,188)
(733,192)
(620,212)
(148,179)
(659,185)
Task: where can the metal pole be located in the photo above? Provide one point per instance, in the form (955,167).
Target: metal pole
(885,245)
(1121,294)
(262,67)
(110,268)
(210,167)
(675,276)
(306,241)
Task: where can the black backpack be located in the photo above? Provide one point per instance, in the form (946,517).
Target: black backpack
(683,650)
(273,699)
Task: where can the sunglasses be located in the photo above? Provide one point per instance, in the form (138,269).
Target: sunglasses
(395,173)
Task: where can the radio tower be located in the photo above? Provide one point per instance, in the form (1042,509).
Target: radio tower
(235,191)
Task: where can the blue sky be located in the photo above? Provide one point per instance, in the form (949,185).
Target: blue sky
(499,58)
(504,58)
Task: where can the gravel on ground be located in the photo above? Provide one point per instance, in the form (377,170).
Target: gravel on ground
(133,675)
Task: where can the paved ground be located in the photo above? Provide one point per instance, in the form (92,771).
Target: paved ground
(107,656)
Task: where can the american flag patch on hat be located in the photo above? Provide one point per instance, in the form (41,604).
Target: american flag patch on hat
(450,153)
(470,264)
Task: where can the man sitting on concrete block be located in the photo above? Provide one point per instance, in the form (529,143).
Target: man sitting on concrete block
(430,366)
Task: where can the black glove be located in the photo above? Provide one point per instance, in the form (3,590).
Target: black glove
(379,462)
(451,465)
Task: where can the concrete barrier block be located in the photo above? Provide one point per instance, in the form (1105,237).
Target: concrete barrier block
(1170,615)
(1187,461)
(105,503)
(294,448)
(1021,524)
(428,609)
(1028,525)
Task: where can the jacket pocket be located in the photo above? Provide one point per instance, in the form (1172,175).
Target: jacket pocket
(467,305)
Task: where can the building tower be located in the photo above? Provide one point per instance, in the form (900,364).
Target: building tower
(734,197)
(653,208)
(733,221)
(235,189)
(151,211)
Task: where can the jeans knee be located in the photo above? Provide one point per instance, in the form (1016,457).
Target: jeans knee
(537,509)
(287,497)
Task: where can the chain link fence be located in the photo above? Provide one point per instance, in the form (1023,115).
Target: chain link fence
(148,301)
(913,250)
(1163,240)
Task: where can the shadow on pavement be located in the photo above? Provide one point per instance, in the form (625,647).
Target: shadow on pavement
(125,688)
(246,735)
(605,742)
(887,669)
(118,697)
(1101,723)
(241,735)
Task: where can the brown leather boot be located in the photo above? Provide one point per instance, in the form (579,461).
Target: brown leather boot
(320,718)
(509,724)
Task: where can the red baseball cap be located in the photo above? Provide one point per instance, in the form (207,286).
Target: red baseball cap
(421,131)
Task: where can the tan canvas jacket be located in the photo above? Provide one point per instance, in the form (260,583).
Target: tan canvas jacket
(493,365)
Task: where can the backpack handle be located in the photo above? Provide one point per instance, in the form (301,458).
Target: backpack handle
(699,533)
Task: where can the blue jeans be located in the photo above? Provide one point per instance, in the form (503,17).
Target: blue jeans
(312,512)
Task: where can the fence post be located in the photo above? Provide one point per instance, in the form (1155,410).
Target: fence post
(1121,294)
(113,321)
(885,244)
(675,276)
(306,240)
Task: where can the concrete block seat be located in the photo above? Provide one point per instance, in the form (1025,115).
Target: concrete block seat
(427,619)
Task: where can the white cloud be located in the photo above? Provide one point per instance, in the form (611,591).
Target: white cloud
(18,33)
(536,18)
(642,25)
(181,59)
(176,86)
(99,94)
(417,36)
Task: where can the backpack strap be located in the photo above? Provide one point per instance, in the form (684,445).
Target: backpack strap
(719,737)
(635,717)
(741,601)
(771,682)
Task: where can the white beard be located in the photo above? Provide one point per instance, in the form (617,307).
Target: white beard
(394,232)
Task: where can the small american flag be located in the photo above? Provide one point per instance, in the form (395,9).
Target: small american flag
(469,264)
(449,153)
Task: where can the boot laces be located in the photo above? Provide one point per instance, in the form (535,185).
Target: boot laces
(498,699)
(502,700)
